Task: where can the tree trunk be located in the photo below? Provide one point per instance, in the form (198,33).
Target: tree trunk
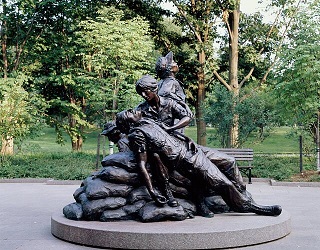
(201,125)
(76,141)
(77,144)
(115,100)
(4,40)
(233,72)
(7,146)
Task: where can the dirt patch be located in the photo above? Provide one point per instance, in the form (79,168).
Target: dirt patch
(306,176)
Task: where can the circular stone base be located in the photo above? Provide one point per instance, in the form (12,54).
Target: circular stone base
(221,231)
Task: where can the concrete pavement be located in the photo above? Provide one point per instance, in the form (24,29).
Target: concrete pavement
(26,209)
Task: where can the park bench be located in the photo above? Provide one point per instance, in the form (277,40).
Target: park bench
(244,158)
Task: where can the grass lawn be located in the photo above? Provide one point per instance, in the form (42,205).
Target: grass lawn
(278,142)
(46,143)
(42,157)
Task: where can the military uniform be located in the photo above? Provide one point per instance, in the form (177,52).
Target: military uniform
(175,153)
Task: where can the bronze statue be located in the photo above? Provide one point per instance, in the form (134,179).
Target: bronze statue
(174,116)
(145,136)
(159,173)
(113,133)
(169,86)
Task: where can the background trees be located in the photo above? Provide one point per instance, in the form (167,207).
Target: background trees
(83,58)
(256,114)
(118,51)
(248,50)
(52,42)
(57,78)
(20,26)
(20,113)
(297,78)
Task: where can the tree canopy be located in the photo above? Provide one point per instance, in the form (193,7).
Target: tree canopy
(297,78)
(83,57)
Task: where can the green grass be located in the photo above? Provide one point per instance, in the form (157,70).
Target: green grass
(276,157)
(46,143)
(278,142)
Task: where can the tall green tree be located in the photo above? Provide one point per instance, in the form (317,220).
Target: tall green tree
(56,73)
(256,114)
(201,18)
(20,26)
(119,51)
(297,81)
(198,18)
(38,39)
(21,112)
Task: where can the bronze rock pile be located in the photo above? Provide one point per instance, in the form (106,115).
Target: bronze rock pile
(117,192)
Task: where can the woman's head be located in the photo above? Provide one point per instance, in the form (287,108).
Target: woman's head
(166,66)
(146,82)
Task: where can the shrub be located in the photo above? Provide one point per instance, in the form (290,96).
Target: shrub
(279,167)
(59,166)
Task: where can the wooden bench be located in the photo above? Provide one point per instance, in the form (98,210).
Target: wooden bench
(242,155)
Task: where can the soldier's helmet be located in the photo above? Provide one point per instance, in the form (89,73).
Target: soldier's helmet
(109,127)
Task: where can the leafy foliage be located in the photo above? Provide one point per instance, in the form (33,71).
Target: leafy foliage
(255,114)
(59,166)
(298,79)
(81,60)
(119,51)
(278,168)
(219,113)
(21,112)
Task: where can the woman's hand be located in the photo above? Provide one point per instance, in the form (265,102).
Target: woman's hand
(166,128)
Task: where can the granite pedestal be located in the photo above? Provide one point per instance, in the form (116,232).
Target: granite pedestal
(222,231)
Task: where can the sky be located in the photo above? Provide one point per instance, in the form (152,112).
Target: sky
(251,6)
(246,6)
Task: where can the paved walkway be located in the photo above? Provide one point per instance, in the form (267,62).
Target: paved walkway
(26,209)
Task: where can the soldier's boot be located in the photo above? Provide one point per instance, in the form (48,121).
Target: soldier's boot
(265,210)
(172,202)
(203,210)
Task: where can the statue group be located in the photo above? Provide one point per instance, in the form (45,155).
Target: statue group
(159,173)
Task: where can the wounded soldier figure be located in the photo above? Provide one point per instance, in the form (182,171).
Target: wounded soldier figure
(148,138)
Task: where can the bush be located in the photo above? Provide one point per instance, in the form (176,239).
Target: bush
(59,166)
(279,167)
(78,166)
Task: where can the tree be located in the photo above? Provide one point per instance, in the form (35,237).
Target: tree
(39,39)
(297,81)
(200,18)
(22,113)
(18,29)
(48,56)
(256,114)
(94,69)
(119,51)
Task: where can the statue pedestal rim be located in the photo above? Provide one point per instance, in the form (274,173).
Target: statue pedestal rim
(222,231)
